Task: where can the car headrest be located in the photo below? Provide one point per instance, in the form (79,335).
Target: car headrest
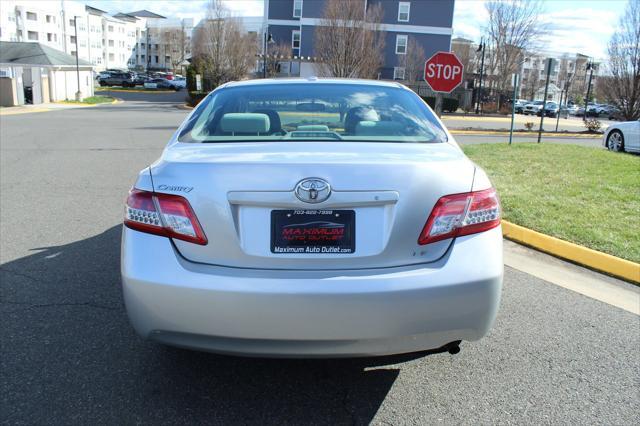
(245,122)
(313,128)
(378,128)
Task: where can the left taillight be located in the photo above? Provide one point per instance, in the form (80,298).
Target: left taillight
(163,214)
(462,214)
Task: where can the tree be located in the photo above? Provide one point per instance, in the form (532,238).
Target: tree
(624,63)
(413,61)
(466,53)
(222,51)
(275,55)
(514,27)
(348,40)
(175,45)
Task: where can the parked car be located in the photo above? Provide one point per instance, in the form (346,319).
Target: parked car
(333,254)
(572,109)
(550,110)
(124,79)
(180,82)
(160,83)
(520,104)
(623,137)
(532,108)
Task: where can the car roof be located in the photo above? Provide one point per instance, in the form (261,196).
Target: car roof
(313,80)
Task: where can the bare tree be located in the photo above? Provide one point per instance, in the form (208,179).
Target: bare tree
(275,55)
(413,61)
(175,45)
(624,63)
(466,52)
(348,40)
(514,27)
(222,50)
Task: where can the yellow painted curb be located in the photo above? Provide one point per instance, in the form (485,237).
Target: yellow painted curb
(593,259)
(517,134)
(3,111)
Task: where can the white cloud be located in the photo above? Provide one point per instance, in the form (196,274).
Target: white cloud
(572,29)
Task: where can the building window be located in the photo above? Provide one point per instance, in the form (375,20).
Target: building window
(295,39)
(156,59)
(111,57)
(32,35)
(32,16)
(142,58)
(49,37)
(110,28)
(72,39)
(110,43)
(401,44)
(48,19)
(72,22)
(398,73)
(297,8)
(73,53)
(403,11)
(167,59)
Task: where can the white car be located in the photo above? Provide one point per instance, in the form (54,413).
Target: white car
(312,218)
(180,82)
(624,136)
(532,108)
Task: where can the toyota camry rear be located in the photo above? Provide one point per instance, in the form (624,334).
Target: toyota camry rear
(312,218)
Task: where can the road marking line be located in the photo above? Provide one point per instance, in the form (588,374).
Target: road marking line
(572,277)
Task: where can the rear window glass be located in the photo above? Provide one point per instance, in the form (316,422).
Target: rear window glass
(311,112)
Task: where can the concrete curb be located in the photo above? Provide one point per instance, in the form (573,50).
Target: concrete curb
(135,91)
(593,259)
(185,107)
(520,134)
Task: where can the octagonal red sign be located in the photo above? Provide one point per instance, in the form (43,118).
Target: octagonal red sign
(443,72)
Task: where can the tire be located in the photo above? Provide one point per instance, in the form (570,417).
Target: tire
(615,141)
(102,84)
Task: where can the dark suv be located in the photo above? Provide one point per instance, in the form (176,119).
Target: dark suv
(124,79)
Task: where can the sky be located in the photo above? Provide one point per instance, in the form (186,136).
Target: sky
(575,26)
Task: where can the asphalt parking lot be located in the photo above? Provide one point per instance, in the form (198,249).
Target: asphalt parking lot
(69,356)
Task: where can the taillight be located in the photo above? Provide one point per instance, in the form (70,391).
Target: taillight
(174,219)
(462,214)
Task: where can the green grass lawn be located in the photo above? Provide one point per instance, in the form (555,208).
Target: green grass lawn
(98,99)
(588,196)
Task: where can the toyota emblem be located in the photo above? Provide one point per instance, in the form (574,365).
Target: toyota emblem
(313,190)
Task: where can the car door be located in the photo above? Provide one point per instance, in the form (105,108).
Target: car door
(633,138)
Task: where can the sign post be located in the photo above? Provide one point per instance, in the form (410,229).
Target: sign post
(198,82)
(515,79)
(443,72)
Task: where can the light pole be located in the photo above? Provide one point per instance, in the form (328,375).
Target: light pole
(75,28)
(268,38)
(590,66)
(481,47)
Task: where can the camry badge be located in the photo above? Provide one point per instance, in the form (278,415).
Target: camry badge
(312,190)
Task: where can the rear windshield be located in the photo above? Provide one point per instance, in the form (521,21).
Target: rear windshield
(311,112)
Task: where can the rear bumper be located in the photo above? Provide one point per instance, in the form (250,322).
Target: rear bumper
(311,313)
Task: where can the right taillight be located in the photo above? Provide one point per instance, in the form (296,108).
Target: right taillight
(163,214)
(462,214)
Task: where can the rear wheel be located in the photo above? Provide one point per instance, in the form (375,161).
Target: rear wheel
(615,141)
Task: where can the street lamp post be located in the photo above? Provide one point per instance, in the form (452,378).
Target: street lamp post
(75,28)
(481,47)
(586,100)
(268,38)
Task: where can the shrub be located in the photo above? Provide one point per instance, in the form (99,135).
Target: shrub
(195,97)
(191,78)
(505,109)
(593,125)
(529,125)
(490,107)
(448,104)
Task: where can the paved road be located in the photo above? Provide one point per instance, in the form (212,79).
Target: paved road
(68,355)
(571,124)
(470,139)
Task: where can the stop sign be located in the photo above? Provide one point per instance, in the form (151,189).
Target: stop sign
(443,72)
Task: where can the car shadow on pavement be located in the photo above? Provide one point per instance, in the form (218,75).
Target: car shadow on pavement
(70,356)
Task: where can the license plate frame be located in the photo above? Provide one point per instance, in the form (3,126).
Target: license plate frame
(308,231)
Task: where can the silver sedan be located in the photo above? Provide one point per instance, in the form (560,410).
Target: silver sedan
(312,218)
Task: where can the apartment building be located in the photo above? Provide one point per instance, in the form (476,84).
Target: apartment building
(118,41)
(429,22)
